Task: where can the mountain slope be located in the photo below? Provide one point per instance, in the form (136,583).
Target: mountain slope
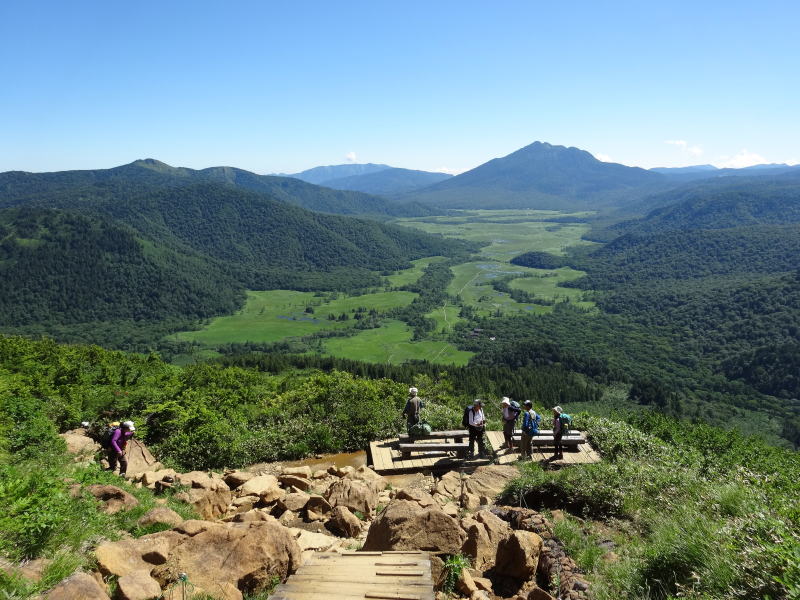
(391,181)
(721,203)
(321,175)
(17,186)
(542,176)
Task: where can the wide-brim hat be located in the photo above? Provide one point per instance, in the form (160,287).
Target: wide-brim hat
(558,409)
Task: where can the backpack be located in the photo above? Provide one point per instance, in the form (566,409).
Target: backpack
(566,422)
(421,429)
(530,425)
(105,437)
(514,409)
(465,418)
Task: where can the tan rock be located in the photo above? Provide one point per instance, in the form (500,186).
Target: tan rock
(310,540)
(421,498)
(538,593)
(140,459)
(490,480)
(80,445)
(242,504)
(450,485)
(201,480)
(244,556)
(251,516)
(138,585)
(558,516)
(149,478)
(518,555)
(80,586)
(355,495)
(304,471)
(363,473)
(312,515)
(294,502)
(234,479)
(404,525)
(264,486)
(158,553)
(450,510)
(344,523)
(340,471)
(192,527)
(437,572)
(320,474)
(126,556)
(319,505)
(484,534)
(483,584)
(33,570)
(160,514)
(479,595)
(465,584)
(288,518)
(114,498)
(208,503)
(471,502)
(295,481)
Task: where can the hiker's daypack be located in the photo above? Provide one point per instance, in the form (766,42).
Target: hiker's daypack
(465,418)
(514,409)
(421,429)
(566,422)
(530,425)
(105,437)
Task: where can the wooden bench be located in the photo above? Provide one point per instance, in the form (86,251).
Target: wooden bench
(572,439)
(457,434)
(459,448)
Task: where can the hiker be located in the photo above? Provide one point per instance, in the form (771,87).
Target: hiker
(413,406)
(477,426)
(557,432)
(530,428)
(510,414)
(117,444)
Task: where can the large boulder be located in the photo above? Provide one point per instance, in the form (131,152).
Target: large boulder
(310,540)
(80,586)
(490,480)
(355,495)
(405,525)
(201,480)
(450,485)
(149,478)
(366,475)
(295,502)
(233,559)
(140,459)
(138,585)
(485,532)
(317,508)
(82,446)
(234,479)
(114,499)
(344,523)
(264,486)
(518,555)
(126,556)
(160,514)
(304,471)
(208,503)
(295,481)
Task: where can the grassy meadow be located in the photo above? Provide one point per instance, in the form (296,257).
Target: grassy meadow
(275,315)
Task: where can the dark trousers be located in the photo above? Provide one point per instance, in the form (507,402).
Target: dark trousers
(476,434)
(508,432)
(557,443)
(113,458)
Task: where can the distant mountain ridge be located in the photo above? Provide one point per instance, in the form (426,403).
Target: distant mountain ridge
(371,178)
(19,185)
(542,176)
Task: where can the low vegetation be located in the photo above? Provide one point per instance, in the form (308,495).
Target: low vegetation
(689,511)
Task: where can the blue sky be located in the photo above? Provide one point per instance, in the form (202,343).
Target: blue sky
(284,86)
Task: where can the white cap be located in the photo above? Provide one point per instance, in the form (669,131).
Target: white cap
(506,400)
(413,390)
(129,425)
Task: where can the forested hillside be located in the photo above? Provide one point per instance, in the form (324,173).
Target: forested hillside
(17,187)
(124,264)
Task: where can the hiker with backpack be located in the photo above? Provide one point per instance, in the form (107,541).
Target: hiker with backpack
(510,414)
(117,441)
(475,422)
(411,411)
(530,428)
(561,424)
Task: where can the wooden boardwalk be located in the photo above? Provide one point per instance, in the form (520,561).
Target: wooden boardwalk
(360,576)
(386,458)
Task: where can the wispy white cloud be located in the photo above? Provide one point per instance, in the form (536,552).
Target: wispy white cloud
(350,157)
(744,158)
(691,149)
